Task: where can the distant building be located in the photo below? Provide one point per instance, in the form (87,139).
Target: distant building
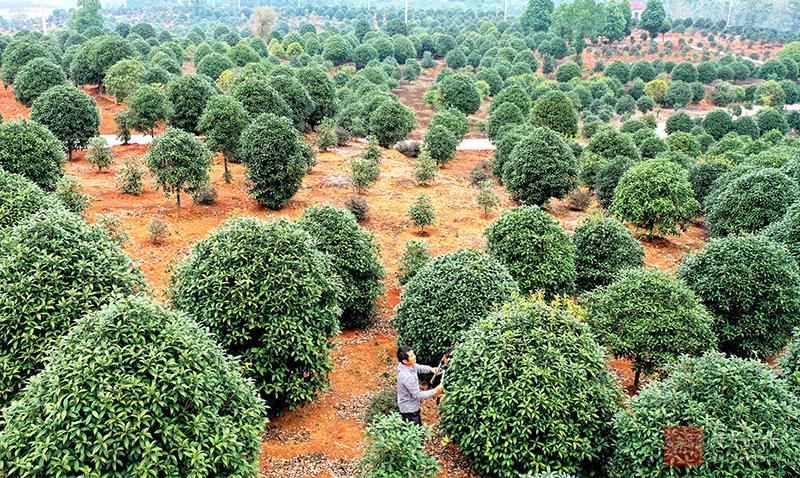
(637,9)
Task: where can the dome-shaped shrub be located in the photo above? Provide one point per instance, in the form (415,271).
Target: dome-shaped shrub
(610,143)
(567,71)
(631,314)
(271,298)
(258,97)
(354,257)
(703,174)
(507,114)
(447,296)
(459,91)
(135,390)
(534,248)
(607,178)
(556,111)
(787,230)
(655,196)
(750,420)
(752,285)
(603,247)
(441,144)
(718,123)
(680,121)
(31,150)
(55,268)
(272,151)
(20,198)
(538,375)
(541,166)
(751,202)
(513,94)
(213,65)
(790,363)
(391,122)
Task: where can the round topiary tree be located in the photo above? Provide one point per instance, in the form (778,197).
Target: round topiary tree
(678,95)
(534,248)
(258,98)
(179,163)
(354,257)
(321,90)
(20,198)
(300,104)
(270,298)
(213,65)
(273,154)
(452,119)
(515,94)
(683,143)
(644,70)
(751,202)
(459,91)
(718,123)
(29,149)
(36,77)
(631,314)
(655,196)
(123,78)
(148,108)
(742,405)
(391,122)
(556,111)
(70,114)
(618,70)
(703,174)
(680,121)
(71,268)
(610,143)
(746,126)
(188,95)
(222,122)
(751,284)
(769,119)
(507,114)
(541,376)
(441,144)
(448,295)
(200,414)
(603,247)
(609,172)
(567,71)
(540,167)
(685,72)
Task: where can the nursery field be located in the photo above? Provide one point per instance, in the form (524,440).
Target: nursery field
(325,438)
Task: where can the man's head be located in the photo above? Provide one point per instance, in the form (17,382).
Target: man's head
(406,356)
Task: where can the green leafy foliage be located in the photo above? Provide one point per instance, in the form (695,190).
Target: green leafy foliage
(70,114)
(148,106)
(178,162)
(541,166)
(71,268)
(459,92)
(749,416)
(534,248)
(440,144)
(789,363)
(381,404)
(29,149)
(213,65)
(296,97)
(750,283)
(36,77)
(391,122)
(99,153)
(18,53)
(539,375)
(273,154)
(395,448)
(188,95)
(20,198)
(703,174)
(201,416)
(631,314)
(270,298)
(603,247)
(223,122)
(655,196)
(556,111)
(751,202)
(610,143)
(96,56)
(421,212)
(258,97)
(448,295)
(130,178)
(123,78)
(416,254)
(354,258)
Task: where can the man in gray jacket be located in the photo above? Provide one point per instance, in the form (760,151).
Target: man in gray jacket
(409,395)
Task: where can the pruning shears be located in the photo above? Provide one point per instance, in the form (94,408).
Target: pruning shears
(442,368)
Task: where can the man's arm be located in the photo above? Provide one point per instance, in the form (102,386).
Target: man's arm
(422,368)
(412,387)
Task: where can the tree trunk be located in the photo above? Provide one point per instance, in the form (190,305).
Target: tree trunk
(69,153)
(636,380)
(179,204)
